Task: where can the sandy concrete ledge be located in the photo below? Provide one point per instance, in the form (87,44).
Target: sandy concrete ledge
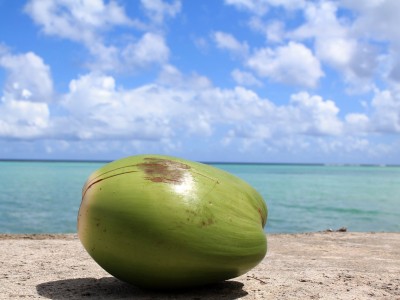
(322,265)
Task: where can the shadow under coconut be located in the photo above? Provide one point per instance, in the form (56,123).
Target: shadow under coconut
(112,288)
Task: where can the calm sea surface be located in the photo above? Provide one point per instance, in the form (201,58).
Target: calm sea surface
(38,197)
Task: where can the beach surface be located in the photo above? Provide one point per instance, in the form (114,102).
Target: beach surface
(323,265)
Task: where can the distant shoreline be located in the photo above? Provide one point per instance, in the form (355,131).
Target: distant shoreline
(209,163)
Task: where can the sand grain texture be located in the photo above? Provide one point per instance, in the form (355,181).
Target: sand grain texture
(298,266)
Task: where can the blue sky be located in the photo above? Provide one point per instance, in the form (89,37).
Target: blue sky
(234,80)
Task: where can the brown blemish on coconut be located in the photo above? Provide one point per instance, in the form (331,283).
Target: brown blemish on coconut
(207,222)
(163,170)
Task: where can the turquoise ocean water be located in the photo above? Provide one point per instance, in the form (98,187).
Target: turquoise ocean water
(44,197)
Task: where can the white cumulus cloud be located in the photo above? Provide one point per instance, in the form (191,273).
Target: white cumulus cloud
(227,41)
(357,40)
(28,77)
(260,7)
(378,21)
(157,10)
(358,123)
(336,44)
(255,6)
(159,111)
(245,78)
(21,119)
(316,115)
(291,64)
(24,110)
(89,22)
(150,49)
(76,20)
(386,115)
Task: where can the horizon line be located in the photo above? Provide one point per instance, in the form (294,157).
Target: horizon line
(210,162)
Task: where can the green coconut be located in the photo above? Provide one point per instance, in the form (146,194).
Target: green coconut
(163,222)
